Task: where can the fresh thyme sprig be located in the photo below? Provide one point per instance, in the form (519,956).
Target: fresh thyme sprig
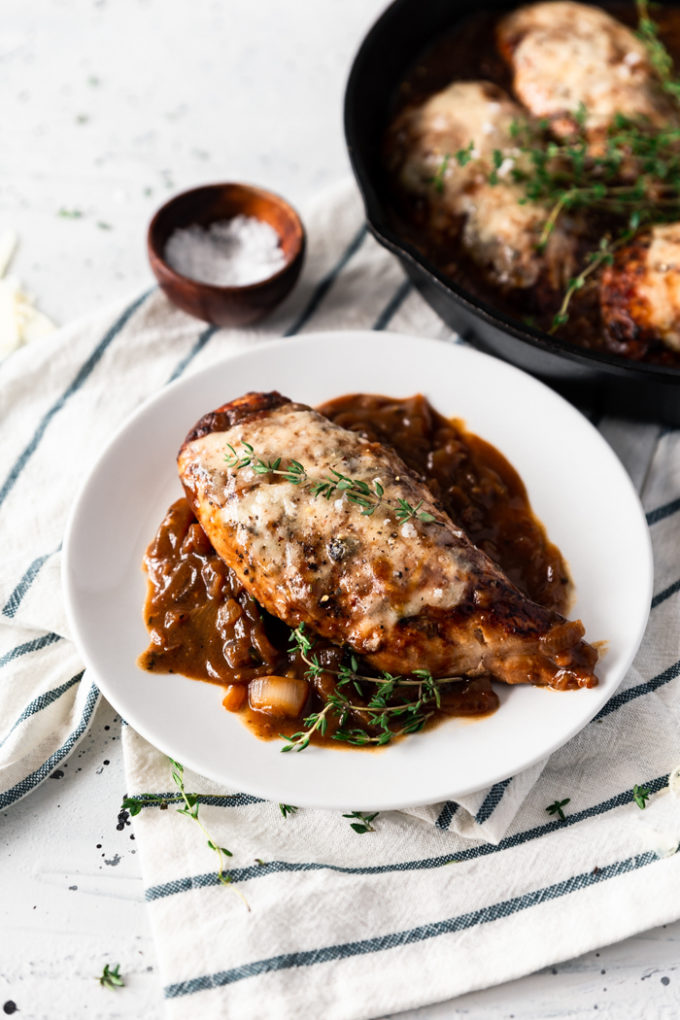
(556,808)
(287,809)
(362,821)
(462,158)
(189,804)
(659,57)
(385,714)
(438,179)
(358,492)
(111,977)
(641,795)
(602,256)
(190,809)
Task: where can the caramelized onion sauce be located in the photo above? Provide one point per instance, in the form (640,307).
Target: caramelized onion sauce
(204,624)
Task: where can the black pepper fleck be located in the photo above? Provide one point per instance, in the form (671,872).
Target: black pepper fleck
(10,1007)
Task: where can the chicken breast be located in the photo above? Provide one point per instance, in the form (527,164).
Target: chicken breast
(404,594)
(566,55)
(640,291)
(497,226)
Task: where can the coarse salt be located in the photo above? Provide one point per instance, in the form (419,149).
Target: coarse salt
(228,253)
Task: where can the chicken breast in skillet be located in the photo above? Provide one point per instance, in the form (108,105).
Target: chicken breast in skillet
(640,291)
(498,232)
(568,55)
(404,594)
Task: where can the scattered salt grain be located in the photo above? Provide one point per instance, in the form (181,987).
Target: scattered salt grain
(229,253)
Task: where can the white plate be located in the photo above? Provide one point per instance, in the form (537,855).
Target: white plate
(577,488)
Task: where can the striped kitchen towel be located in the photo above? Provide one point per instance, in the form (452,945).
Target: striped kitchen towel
(493,885)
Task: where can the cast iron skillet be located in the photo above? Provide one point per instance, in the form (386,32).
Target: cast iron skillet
(602,381)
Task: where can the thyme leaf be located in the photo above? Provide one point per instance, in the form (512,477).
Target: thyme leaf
(556,808)
(363,821)
(438,179)
(367,496)
(111,977)
(659,57)
(641,795)
(189,806)
(394,707)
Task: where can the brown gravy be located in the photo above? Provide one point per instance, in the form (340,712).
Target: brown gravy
(469,49)
(204,624)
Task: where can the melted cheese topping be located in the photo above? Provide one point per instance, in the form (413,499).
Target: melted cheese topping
(502,229)
(298,550)
(659,286)
(570,54)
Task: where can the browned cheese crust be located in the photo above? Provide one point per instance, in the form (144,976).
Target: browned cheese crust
(565,55)
(640,292)
(405,595)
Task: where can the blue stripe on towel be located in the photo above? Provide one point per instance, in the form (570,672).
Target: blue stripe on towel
(409,936)
(196,349)
(83,372)
(661,512)
(491,801)
(14,601)
(29,646)
(229,800)
(623,697)
(665,594)
(31,781)
(393,305)
(209,879)
(446,814)
(325,284)
(42,701)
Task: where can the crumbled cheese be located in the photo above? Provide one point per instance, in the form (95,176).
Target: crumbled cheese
(20,320)
(488,128)
(408,530)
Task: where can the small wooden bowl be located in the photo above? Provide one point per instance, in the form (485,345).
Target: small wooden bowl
(226,306)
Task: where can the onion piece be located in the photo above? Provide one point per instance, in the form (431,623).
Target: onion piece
(234,697)
(278,695)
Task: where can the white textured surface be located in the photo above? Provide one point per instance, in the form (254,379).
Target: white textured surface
(109,107)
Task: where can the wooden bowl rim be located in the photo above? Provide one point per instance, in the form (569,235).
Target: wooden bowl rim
(272,197)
